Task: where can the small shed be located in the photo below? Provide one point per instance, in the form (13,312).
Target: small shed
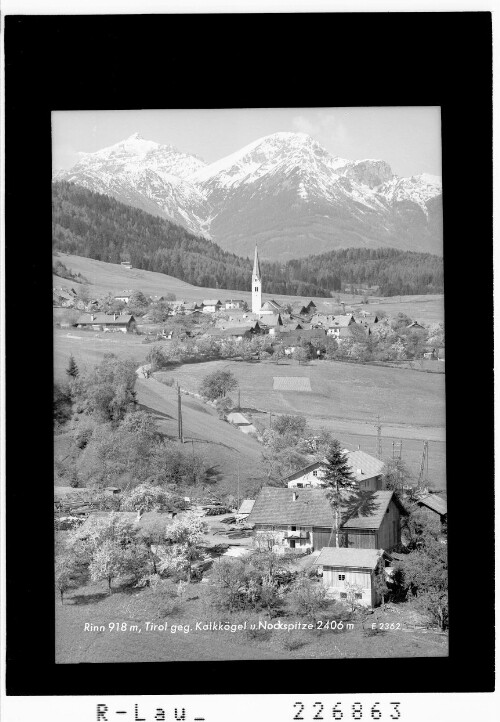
(352,571)
(434,503)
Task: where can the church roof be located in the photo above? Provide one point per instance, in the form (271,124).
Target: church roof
(256,265)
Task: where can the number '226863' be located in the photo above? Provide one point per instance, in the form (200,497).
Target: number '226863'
(353,711)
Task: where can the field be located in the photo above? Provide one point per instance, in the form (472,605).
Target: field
(111,277)
(91,605)
(346,398)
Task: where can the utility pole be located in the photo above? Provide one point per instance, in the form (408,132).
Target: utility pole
(238,507)
(378,426)
(179,413)
(270,420)
(239,399)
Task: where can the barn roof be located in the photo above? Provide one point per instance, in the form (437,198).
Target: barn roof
(311,507)
(246,506)
(236,418)
(349,558)
(435,503)
(275,505)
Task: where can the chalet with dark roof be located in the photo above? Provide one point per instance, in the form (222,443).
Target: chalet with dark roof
(304,519)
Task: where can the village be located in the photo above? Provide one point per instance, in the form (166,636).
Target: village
(322,524)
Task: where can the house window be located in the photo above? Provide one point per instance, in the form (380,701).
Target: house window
(300,486)
(358,596)
(315,472)
(343,595)
(293,528)
(341,577)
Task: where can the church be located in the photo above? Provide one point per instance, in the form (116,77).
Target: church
(258,308)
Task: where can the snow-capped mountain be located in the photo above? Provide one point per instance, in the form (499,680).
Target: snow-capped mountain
(284,191)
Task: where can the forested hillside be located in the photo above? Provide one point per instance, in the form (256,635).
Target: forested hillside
(97,226)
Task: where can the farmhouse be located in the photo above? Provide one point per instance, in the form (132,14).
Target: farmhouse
(304,519)
(365,469)
(211,305)
(126,264)
(105,322)
(354,570)
(292,339)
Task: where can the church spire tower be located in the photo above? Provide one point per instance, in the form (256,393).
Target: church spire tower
(256,284)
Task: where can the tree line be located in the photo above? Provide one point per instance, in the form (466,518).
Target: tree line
(96,226)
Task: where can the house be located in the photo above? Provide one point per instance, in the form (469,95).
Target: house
(125,297)
(243,424)
(430,355)
(434,503)
(304,519)
(234,303)
(192,306)
(311,306)
(271,324)
(126,264)
(338,323)
(104,322)
(366,470)
(245,509)
(211,305)
(321,319)
(352,570)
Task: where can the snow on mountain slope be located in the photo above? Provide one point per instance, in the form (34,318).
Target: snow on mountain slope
(284,191)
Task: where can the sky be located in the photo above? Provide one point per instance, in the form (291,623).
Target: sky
(408,138)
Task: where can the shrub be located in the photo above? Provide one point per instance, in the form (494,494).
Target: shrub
(296,642)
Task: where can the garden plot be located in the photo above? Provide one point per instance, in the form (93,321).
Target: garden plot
(291,383)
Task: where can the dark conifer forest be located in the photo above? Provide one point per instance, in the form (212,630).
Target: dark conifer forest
(97,226)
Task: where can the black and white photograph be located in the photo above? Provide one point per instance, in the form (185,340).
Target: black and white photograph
(249,384)
(241,477)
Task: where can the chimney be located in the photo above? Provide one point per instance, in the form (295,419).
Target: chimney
(114,317)
(92,317)
(359,471)
(294,496)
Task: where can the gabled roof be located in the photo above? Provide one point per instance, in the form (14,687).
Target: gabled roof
(369,465)
(294,337)
(236,418)
(211,302)
(275,505)
(311,507)
(246,506)
(435,503)
(349,558)
(381,500)
(272,305)
(234,300)
(342,321)
(311,304)
(273,320)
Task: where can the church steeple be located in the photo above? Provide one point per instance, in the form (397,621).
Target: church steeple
(256,264)
(256,284)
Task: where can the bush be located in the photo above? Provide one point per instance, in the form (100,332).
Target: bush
(296,642)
